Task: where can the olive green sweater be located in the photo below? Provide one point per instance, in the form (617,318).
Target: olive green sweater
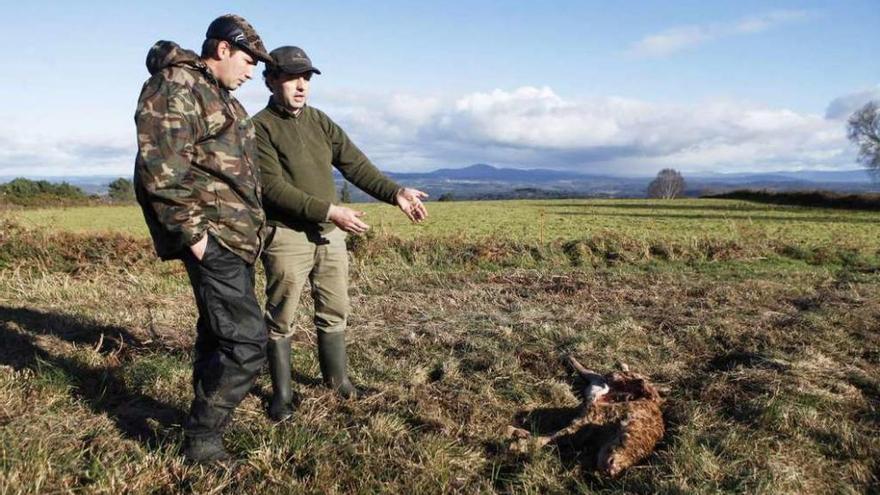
(296,154)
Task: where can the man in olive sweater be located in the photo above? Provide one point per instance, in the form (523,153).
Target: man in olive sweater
(297,148)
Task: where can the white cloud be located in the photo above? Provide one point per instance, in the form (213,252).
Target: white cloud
(522,127)
(844,106)
(32,155)
(410,110)
(679,38)
(535,127)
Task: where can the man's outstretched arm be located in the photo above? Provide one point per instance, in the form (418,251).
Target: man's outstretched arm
(361,172)
(410,203)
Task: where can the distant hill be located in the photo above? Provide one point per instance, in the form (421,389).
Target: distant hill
(854,176)
(484,181)
(481,171)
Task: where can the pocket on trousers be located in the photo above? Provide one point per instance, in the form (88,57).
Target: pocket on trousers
(210,246)
(213,250)
(270,236)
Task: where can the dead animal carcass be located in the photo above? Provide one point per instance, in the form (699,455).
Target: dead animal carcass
(620,421)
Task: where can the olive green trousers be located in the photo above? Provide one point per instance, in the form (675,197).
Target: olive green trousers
(290,258)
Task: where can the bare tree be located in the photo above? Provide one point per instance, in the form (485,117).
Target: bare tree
(668,184)
(864,131)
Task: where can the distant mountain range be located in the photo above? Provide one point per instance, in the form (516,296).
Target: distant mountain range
(854,176)
(483,172)
(486,181)
(482,181)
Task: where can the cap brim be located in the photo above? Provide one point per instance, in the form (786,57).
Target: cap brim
(262,57)
(257,54)
(296,68)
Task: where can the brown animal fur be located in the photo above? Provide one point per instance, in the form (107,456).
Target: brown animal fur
(622,426)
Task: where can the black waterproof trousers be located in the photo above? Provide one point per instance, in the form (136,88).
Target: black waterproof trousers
(230,346)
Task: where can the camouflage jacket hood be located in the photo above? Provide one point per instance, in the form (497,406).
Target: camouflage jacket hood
(168,53)
(194,171)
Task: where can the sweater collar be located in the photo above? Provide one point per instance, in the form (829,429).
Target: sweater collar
(283,112)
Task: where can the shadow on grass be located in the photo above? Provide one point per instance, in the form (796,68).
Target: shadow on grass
(757,218)
(738,400)
(814,199)
(740,358)
(505,466)
(134,413)
(265,393)
(547,420)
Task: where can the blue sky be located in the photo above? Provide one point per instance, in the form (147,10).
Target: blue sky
(624,87)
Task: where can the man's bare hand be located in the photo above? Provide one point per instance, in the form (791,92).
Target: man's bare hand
(198,249)
(410,203)
(347,219)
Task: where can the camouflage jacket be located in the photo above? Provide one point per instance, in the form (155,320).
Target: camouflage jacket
(194,172)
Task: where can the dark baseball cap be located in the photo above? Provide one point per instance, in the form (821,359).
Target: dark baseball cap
(292,60)
(238,32)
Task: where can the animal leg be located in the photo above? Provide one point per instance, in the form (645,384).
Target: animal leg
(517,433)
(573,427)
(580,369)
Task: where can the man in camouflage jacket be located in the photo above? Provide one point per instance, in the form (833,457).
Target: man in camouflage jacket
(199,189)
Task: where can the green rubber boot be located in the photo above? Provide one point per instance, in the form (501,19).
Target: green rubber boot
(278,354)
(205,450)
(333,361)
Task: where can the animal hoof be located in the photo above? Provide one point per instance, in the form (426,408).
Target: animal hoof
(514,432)
(521,446)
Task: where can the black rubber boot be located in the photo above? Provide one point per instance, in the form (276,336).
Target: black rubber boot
(278,354)
(204,450)
(334,367)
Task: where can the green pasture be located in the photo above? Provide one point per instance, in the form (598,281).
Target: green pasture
(549,220)
(759,322)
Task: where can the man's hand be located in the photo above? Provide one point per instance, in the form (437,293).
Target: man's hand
(410,203)
(347,219)
(198,249)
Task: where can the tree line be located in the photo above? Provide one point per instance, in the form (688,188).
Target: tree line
(28,192)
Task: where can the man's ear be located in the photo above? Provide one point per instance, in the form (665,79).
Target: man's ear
(269,81)
(224,50)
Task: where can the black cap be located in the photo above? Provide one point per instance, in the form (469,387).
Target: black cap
(292,60)
(238,32)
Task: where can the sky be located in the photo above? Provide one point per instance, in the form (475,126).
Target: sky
(625,87)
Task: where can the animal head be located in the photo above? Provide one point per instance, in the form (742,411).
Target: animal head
(631,386)
(596,386)
(614,387)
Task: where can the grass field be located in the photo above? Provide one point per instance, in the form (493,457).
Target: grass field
(763,322)
(566,219)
